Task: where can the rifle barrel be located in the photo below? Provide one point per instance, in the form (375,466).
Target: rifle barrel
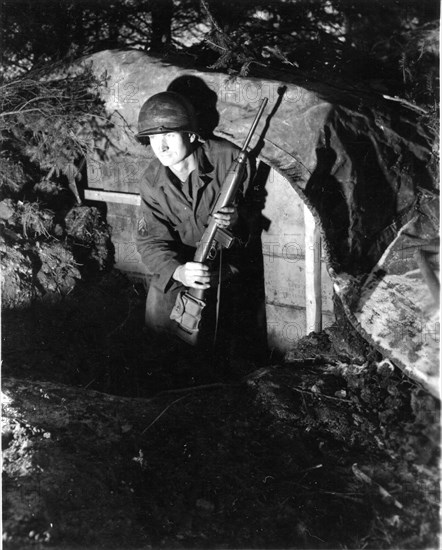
(255,123)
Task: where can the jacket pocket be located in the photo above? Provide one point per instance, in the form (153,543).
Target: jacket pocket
(186,230)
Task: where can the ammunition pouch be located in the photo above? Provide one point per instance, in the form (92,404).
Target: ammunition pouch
(187,312)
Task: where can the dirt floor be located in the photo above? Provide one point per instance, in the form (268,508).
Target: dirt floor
(329,449)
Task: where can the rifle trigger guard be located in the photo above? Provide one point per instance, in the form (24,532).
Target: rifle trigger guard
(212,253)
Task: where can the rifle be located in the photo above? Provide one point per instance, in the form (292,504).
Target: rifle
(190,303)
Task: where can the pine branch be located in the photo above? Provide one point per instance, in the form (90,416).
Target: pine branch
(42,116)
(234,55)
(212,20)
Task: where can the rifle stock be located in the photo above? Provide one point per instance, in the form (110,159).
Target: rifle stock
(190,303)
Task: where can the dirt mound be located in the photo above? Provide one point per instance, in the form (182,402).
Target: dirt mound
(320,452)
(275,463)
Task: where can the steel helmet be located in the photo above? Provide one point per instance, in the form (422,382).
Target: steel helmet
(166,112)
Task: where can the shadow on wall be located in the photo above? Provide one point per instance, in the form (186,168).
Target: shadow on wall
(327,196)
(203,100)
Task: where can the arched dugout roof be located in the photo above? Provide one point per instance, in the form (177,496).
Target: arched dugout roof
(361,162)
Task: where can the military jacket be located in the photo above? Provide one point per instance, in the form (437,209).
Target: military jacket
(173,216)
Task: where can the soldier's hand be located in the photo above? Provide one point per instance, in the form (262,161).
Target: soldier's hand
(193,275)
(226,216)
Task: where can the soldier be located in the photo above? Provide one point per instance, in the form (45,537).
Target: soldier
(178,191)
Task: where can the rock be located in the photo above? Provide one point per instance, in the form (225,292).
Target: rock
(17,277)
(58,271)
(347,343)
(6,209)
(9,234)
(315,348)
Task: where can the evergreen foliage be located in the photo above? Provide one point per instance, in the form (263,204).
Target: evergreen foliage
(388,45)
(49,119)
(47,123)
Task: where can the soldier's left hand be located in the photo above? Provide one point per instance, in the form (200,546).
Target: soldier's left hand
(226,216)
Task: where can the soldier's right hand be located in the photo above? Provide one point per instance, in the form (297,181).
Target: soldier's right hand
(193,275)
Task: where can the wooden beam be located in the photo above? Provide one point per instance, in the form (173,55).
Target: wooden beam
(313,287)
(118,197)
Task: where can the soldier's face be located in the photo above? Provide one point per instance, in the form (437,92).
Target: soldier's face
(172,148)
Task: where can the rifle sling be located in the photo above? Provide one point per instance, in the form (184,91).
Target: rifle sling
(218,296)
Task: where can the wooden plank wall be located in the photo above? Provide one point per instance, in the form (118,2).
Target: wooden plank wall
(284,253)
